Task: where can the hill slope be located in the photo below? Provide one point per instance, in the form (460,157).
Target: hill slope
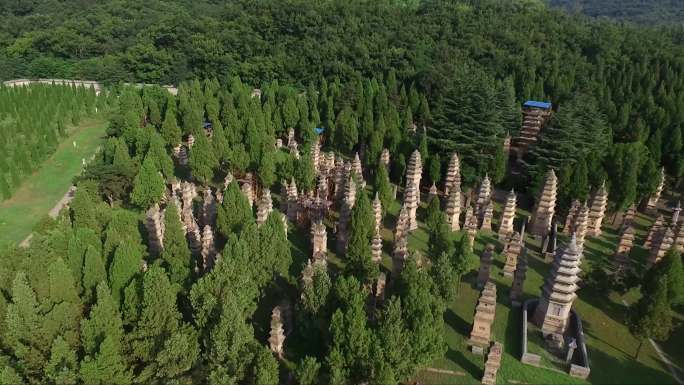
(645,12)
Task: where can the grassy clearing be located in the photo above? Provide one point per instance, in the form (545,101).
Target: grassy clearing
(42,190)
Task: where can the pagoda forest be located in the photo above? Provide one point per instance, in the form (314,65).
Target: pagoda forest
(101,295)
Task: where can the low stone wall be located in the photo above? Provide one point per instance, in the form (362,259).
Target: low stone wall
(528,358)
(580,370)
(79,83)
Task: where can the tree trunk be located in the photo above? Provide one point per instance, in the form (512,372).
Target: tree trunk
(641,343)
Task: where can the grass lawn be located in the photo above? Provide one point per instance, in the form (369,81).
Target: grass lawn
(42,190)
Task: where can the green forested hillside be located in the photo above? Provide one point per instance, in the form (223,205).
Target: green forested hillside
(646,12)
(631,78)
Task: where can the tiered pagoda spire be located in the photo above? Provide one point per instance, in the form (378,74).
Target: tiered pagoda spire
(507,216)
(558,292)
(265,206)
(598,210)
(453,175)
(483,319)
(453,208)
(545,207)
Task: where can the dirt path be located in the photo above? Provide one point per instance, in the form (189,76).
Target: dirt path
(444,371)
(66,199)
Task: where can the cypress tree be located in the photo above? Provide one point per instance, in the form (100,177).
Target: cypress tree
(23,333)
(651,316)
(62,368)
(383,187)
(169,129)
(94,272)
(670,270)
(202,159)
(165,347)
(148,185)
(159,154)
(176,255)
(435,168)
(346,129)
(359,254)
(124,267)
(234,212)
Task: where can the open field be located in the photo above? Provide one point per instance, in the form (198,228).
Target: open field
(42,190)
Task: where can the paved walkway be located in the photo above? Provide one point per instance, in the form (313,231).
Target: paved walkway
(54,212)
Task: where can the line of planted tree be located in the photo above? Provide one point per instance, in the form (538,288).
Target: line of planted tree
(33,121)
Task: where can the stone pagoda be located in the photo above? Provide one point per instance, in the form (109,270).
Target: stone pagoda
(507,216)
(453,175)
(652,205)
(581,225)
(414,172)
(154,223)
(468,216)
(376,246)
(535,115)
(545,207)
(484,196)
(265,207)
(519,280)
(629,215)
(377,211)
(277,335)
(570,219)
(292,202)
(400,252)
(385,157)
(208,251)
(679,238)
(472,230)
(597,212)
(487,215)
(209,209)
(411,202)
(485,265)
(357,170)
(319,241)
(558,292)
(453,208)
(662,242)
(484,317)
(248,190)
(675,214)
(433,191)
(492,365)
(345,215)
(316,155)
(512,251)
(623,249)
(655,229)
(322,186)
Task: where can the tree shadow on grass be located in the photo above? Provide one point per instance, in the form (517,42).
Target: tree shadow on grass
(601,302)
(608,369)
(456,322)
(461,360)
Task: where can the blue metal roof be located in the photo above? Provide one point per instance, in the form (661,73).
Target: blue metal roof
(319,130)
(536,104)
